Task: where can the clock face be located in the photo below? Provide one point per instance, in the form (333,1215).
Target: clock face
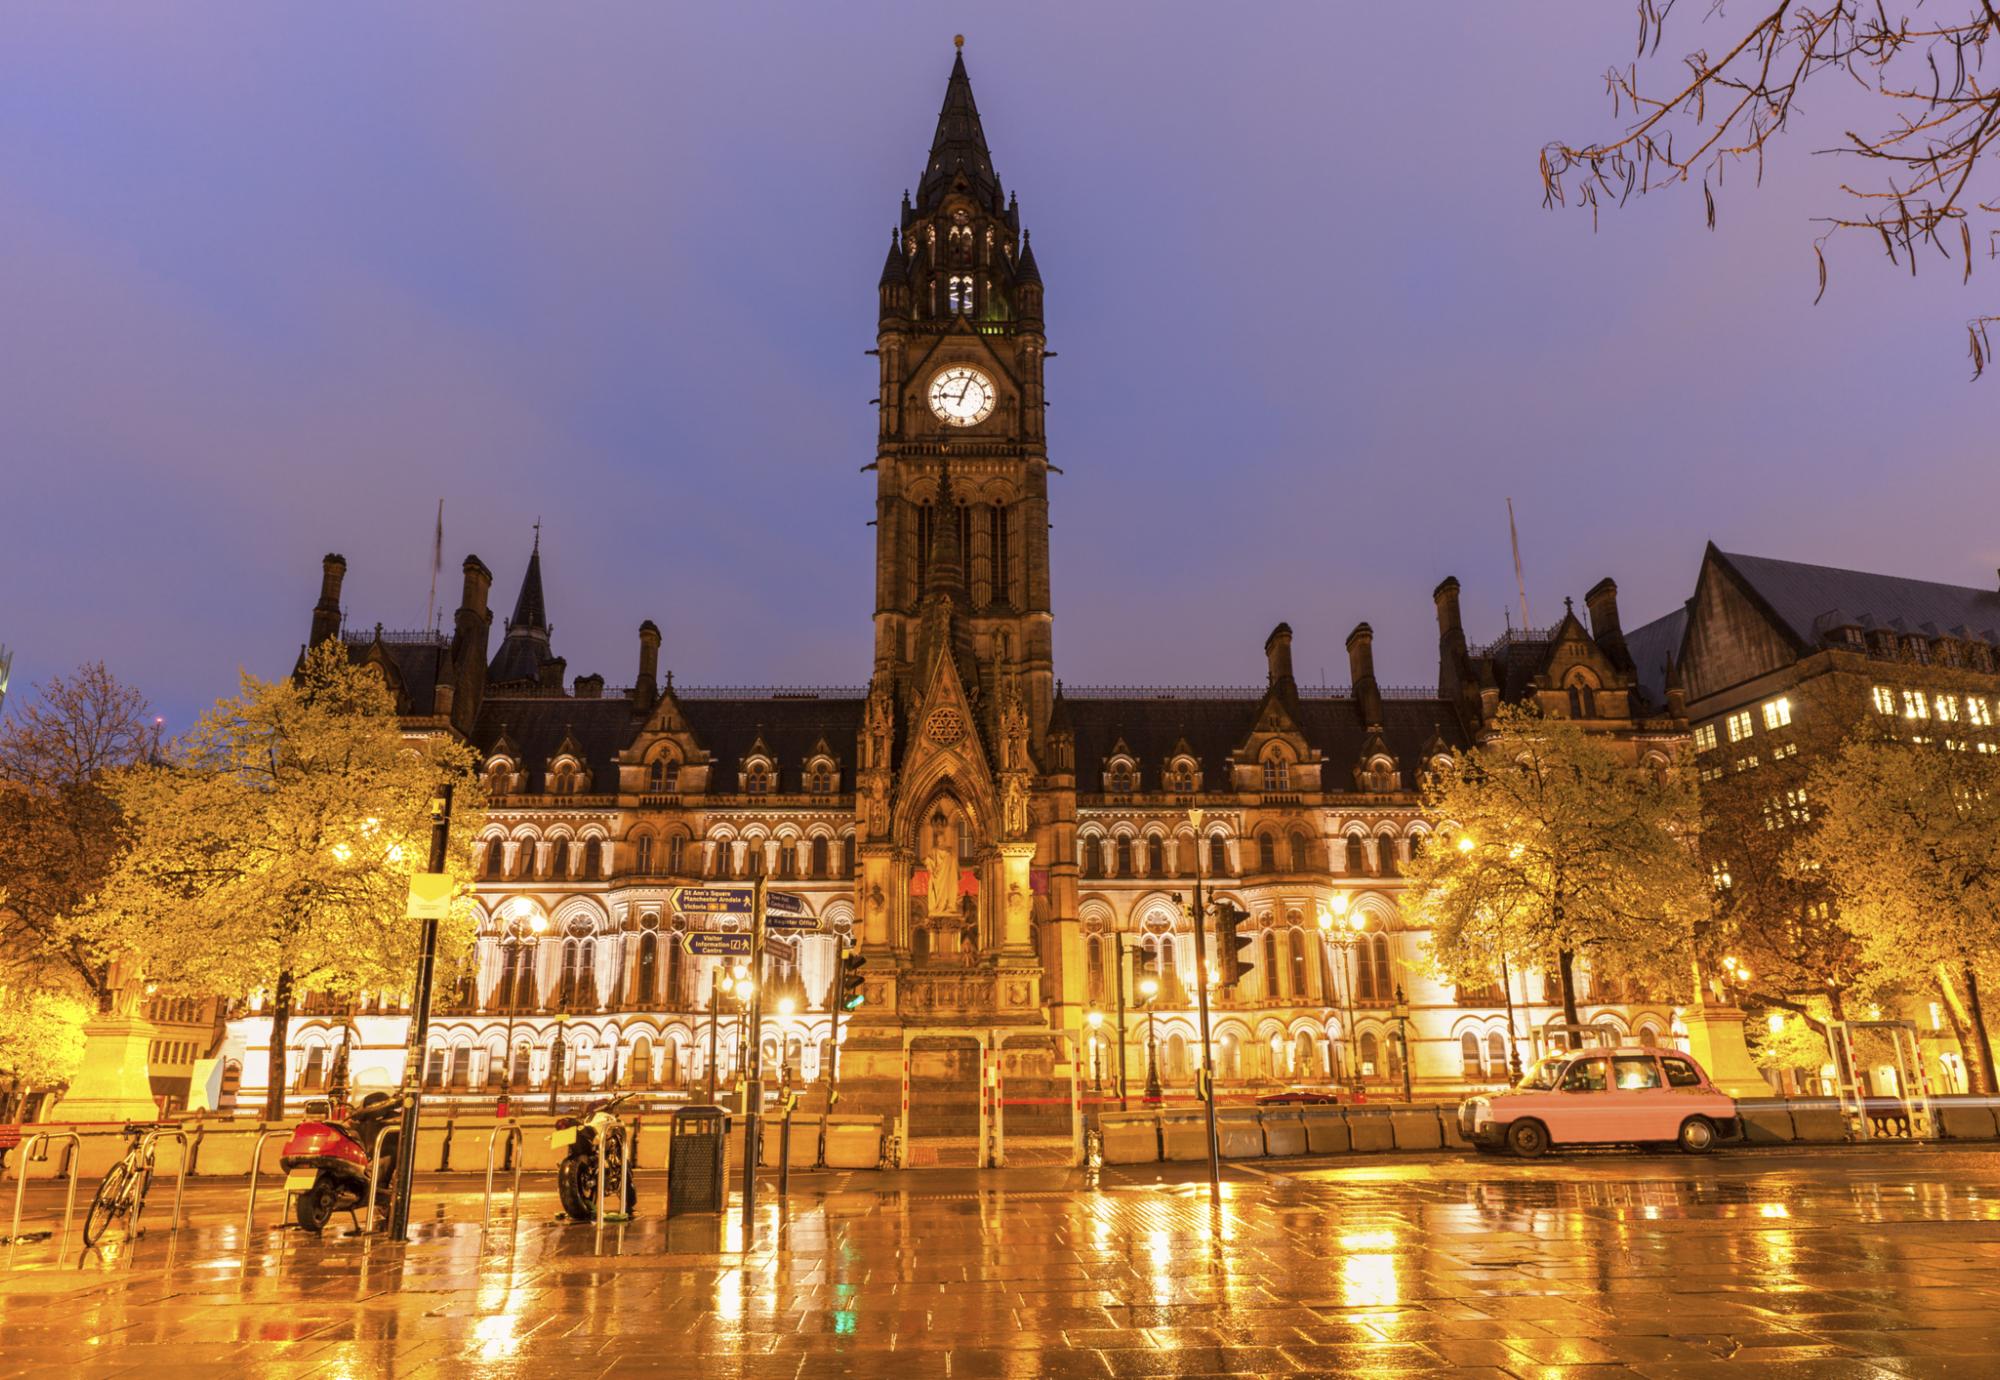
(962,396)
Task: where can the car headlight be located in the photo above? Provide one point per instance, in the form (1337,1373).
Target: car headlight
(1482,1113)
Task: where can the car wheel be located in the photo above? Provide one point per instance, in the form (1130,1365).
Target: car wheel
(1528,1139)
(1697,1135)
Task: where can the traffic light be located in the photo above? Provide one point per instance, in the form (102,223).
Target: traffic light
(851,964)
(1233,947)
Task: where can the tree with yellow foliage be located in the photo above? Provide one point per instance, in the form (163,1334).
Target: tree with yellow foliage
(272,848)
(1553,846)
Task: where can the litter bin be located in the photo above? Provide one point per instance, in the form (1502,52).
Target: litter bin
(698,1161)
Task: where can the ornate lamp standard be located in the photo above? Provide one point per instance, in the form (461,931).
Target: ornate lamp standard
(522,910)
(1341,927)
(1402,1014)
(556,1051)
(1149,989)
(1195,817)
(786,1006)
(1095,1019)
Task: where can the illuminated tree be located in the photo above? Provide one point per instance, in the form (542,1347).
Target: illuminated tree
(1556,847)
(273,848)
(60,828)
(1908,839)
(1923,183)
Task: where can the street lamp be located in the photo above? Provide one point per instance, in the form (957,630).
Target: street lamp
(1096,1021)
(1402,1015)
(1195,817)
(1149,988)
(1343,928)
(557,1049)
(521,910)
(786,1006)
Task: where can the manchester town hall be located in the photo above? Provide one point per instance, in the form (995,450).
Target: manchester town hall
(1014,859)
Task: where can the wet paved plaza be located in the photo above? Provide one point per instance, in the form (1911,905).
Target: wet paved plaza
(1835,1263)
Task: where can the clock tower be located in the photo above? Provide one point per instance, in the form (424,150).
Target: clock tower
(961,463)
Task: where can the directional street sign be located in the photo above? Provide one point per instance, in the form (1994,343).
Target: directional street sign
(710,900)
(715,945)
(784,903)
(791,923)
(784,950)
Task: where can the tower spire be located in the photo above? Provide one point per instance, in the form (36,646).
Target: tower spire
(958,149)
(526,644)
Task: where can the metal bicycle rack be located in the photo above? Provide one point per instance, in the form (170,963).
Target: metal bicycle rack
(514,1142)
(256,1168)
(21,1184)
(375,1172)
(624,1175)
(147,1154)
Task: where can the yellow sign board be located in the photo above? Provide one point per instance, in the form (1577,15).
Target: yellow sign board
(430,896)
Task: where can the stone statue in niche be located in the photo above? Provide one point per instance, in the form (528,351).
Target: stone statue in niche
(941,857)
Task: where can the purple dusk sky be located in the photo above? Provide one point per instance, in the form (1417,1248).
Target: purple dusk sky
(277,277)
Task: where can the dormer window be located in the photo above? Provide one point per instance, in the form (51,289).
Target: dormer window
(1381,775)
(1121,779)
(1277,770)
(660,776)
(1181,776)
(499,776)
(562,781)
(1854,638)
(820,777)
(1918,650)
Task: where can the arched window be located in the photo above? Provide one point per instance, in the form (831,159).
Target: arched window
(1267,853)
(1415,844)
(564,780)
(1371,1055)
(639,1068)
(788,858)
(593,858)
(1468,1046)
(579,960)
(1094,969)
(642,853)
(524,858)
(753,859)
(499,776)
(1124,855)
(1272,979)
(1156,857)
(1496,1053)
(662,775)
(820,857)
(676,993)
(1301,851)
(517,1076)
(723,848)
(559,858)
(495,855)
(1298,955)
(1104,857)
(1277,770)
(819,779)
(1121,780)
(757,778)
(1378,949)
(958,298)
(1648,1036)
(1180,776)
(1093,861)
(676,853)
(1357,855)
(1218,856)
(1385,849)
(649,968)
(1582,697)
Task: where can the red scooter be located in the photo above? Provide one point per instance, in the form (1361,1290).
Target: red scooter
(326,1162)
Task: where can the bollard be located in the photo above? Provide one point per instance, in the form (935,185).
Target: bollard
(375,1171)
(785,1148)
(21,1187)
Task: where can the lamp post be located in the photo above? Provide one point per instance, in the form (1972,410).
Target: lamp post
(557,1049)
(1095,1019)
(522,909)
(1342,928)
(1402,1015)
(1201,992)
(1149,988)
(786,1006)
(714,1008)
(1118,953)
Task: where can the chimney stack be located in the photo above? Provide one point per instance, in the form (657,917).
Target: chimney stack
(470,628)
(1361,671)
(326,613)
(1445,596)
(1278,654)
(549,675)
(1602,601)
(647,690)
(478,583)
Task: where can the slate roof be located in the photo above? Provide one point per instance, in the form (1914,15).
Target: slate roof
(727,728)
(1654,647)
(417,659)
(1215,728)
(958,146)
(1814,601)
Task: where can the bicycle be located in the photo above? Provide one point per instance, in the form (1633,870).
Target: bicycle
(122,1191)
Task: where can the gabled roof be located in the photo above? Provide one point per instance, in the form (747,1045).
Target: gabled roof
(1802,597)
(1655,646)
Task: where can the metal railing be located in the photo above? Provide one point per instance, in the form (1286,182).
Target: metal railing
(256,1168)
(148,1153)
(514,1144)
(21,1186)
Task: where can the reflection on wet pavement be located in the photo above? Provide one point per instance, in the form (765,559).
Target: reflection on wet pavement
(1854,1263)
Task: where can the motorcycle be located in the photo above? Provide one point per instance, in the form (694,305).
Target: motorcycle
(326,1161)
(595,1132)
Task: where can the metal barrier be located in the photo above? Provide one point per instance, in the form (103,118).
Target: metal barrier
(375,1170)
(256,1166)
(514,1135)
(21,1185)
(147,1154)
